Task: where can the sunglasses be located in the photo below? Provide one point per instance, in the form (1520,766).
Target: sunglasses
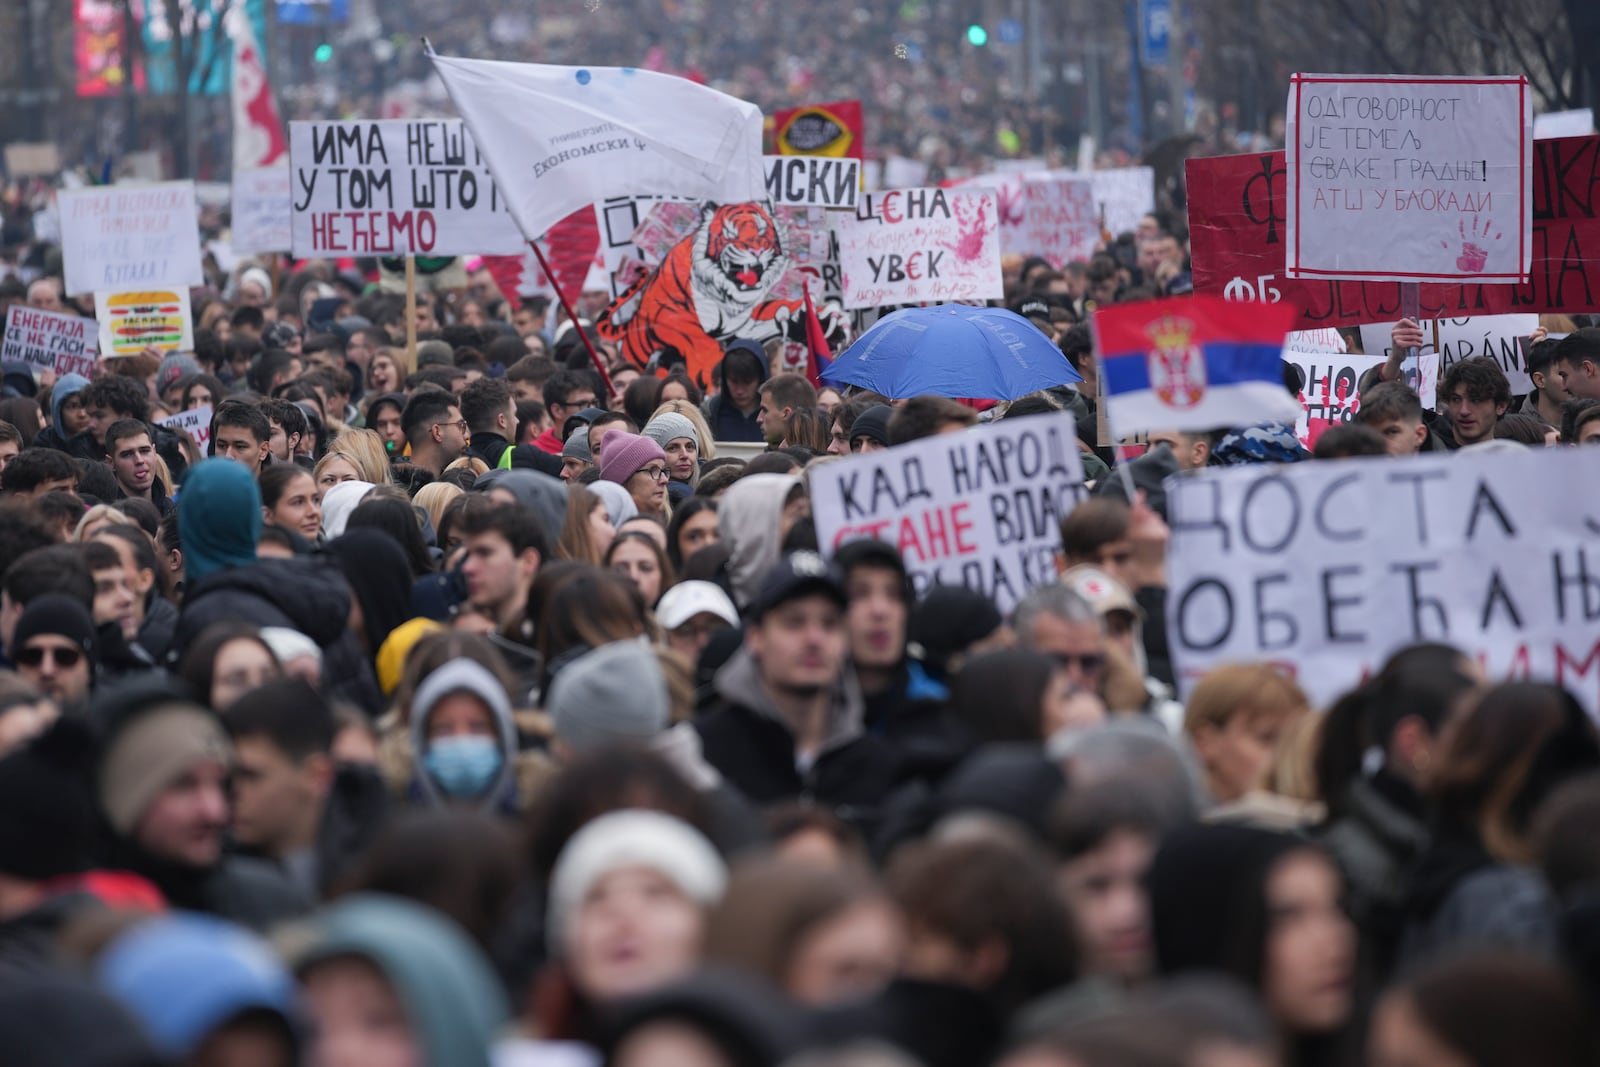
(1089,664)
(63,657)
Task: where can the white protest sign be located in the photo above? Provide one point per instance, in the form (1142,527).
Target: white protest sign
(1327,568)
(902,173)
(1330,397)
(981,509)
(395,188)
(1452,340)
(1123,194)
(50,341)
(813,181)
(1409,179)
(1326,339)
(197,421)
(123,236)
(145,318)
(1576,123)
(261,219)
(1060,221)
(913,246)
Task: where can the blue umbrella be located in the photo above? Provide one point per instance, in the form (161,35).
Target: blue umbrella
(953,350)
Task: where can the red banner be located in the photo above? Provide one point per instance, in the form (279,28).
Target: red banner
(1237,231)
(100,48)
(834,129)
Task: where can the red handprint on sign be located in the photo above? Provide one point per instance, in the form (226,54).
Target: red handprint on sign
(1474,256)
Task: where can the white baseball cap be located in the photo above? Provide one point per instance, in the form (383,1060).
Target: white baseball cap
(687,599)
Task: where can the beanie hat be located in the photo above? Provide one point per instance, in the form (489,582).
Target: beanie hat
(219,518)
(337,504)
(949,619)
(624,454)
(59,615)
(873,423)
(259,276)
(174,367)
(149,753)
(616,692)
(185,975)
(669,426)
(577,446)
(632,838)
(396,649)
(619,505)
(287,644)
(50,824)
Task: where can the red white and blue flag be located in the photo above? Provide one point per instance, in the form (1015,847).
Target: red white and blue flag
(1191,364)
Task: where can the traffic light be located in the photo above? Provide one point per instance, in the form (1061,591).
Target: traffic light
(324,52)
(977,36)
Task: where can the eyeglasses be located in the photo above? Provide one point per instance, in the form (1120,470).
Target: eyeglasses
(1088,664)
(659,474)
(63,657)
(460,424)
(579,402)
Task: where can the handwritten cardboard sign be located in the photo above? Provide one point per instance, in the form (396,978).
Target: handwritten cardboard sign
(147,318)
(48,340)
(394,188)
(913,246)
(197,421)
(813,181)
(981,509)
(121,237)
(1411,179)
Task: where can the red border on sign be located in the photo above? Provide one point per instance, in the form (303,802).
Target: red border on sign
(1297,271)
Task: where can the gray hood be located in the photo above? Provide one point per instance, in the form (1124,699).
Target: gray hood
(749,517)
(462,676)
(541,494)
(739,682)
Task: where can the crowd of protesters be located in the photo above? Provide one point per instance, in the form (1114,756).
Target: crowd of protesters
(478,711)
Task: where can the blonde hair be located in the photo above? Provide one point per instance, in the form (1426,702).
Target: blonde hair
(434,498)
(105,513)
(469,463)
(708,446)
(1258,690)
(363,450)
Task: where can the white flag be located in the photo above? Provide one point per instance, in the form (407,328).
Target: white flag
(258,139)
(557,138)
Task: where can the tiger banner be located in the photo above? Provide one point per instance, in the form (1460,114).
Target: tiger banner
(1238,232)
(697,276)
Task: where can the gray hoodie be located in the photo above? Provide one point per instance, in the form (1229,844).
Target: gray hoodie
(541,494)
(463,676)
(750,521)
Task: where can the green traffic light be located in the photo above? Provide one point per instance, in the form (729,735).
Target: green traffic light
(324,53)
(977,35)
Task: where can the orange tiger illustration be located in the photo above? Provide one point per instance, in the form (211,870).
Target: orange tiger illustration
(710,288)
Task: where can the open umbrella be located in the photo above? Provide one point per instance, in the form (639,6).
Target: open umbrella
(979,353)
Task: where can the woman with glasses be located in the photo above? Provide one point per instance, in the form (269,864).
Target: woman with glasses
(638,465)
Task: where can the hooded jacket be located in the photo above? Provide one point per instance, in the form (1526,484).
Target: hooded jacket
(745,737)
(451,997)
(309,595)
(51,436)
(464,676)
(750,521)
(727,422)
(544,496)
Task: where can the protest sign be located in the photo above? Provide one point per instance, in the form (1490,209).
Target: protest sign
(912,246)
(813,181)
(1437,167)
(50,341)
(834,129)
(197,421)
(394,188)
(1576,123)
(1330,396)
(982,510)
(1237,235)
(1060,221)
(1123,195)
(902,173)
(41,159)
(118,237)
(1452,340)
(133,322)
(1326,568)
(261,220)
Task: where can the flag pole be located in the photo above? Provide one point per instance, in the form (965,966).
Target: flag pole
(583,335)
(411,315)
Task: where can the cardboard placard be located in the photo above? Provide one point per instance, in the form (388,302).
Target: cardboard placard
(49,340)
(146,318)
(261,217)
(1327,568)
(197,421)
(981,509)
(394,188)
(1060,220)
(813,181)
(1452,340)
(1437,170)
(125,236)
(912,246)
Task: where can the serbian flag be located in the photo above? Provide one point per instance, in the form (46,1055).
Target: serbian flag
(558,138)
(819,357)
(1191,364)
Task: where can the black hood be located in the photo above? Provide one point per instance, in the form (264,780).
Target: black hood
(310,594)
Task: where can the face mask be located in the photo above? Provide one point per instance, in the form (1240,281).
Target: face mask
(463,766)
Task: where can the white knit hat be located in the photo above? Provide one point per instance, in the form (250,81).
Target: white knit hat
(632,838)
